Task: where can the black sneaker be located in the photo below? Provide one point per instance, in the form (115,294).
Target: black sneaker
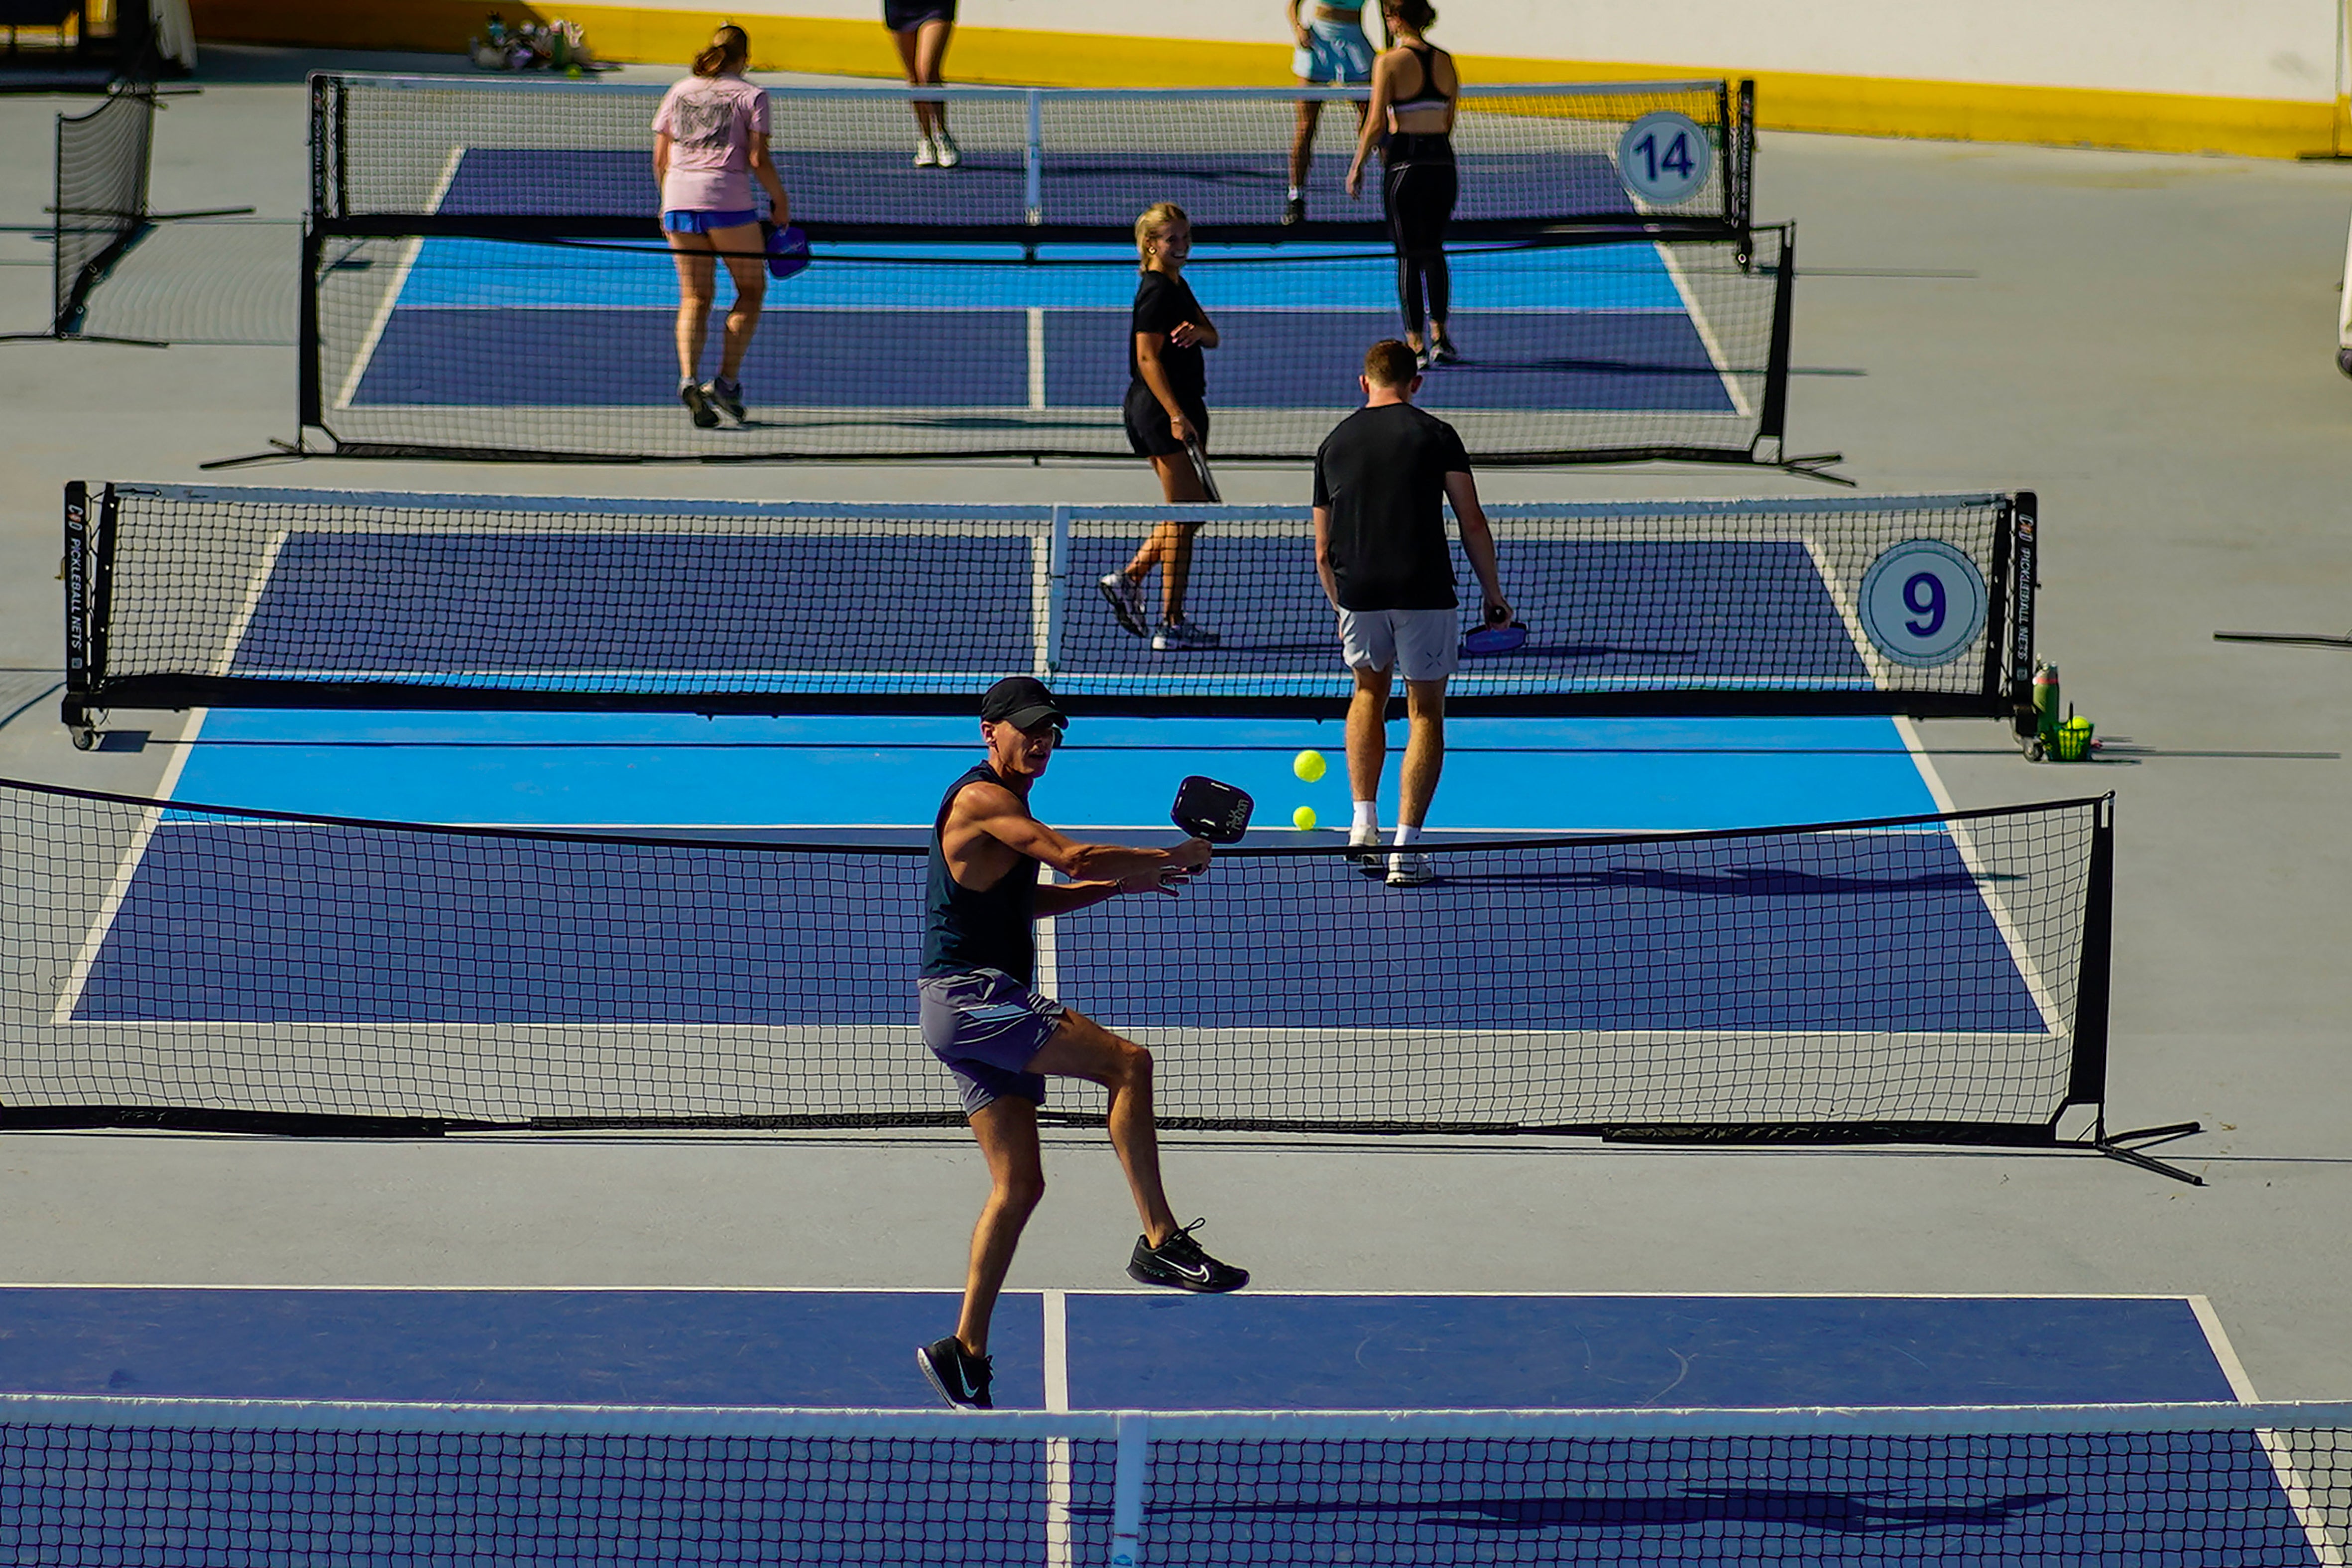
(728,395)
(1294,211)
(961,1378)
(1179,1262)
(697,403)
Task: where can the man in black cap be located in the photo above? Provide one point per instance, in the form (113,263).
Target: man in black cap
(983,1017)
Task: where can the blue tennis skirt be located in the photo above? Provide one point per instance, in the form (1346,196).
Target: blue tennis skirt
(686,220)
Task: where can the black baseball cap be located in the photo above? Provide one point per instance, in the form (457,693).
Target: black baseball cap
(1022,702)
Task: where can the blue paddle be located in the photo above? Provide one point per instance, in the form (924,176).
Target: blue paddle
(788,251)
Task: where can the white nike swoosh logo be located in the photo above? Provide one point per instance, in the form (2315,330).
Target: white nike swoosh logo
(1200,1273)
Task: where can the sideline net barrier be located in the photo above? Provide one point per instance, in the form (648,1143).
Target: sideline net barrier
(467,341)
(223,595)
(102,161)
(1932,978)
(110,1480)
(574,159)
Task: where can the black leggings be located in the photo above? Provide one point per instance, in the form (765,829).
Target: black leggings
(1418,192)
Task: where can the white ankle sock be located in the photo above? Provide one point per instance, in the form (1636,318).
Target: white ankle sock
(1368,818)
(1406,833)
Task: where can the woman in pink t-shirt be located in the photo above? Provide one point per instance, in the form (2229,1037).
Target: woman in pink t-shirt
(710,138)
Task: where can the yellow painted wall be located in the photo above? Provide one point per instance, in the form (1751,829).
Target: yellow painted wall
(1785,100)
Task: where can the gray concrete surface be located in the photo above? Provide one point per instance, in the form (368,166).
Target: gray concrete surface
(2146,341)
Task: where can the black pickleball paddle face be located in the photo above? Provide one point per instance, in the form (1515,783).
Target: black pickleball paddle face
(1207,809)
(1200,471)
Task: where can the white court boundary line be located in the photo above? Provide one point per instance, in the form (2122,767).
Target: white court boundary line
(125,871)
(1061,1546)
(2328,1548)
(1706,330)
(410,254)
(2020,953)
(242,622)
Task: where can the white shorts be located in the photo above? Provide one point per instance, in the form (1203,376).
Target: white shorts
(1420,645)
(1337,54)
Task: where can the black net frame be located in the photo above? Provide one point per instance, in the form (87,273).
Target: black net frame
(100,203)
(1706,382)
(123,1479)
(389,155)
(394,173)
(1922,979)
(224,596)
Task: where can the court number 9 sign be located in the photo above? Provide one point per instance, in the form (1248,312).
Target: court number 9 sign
(1663,157)
(1923,603)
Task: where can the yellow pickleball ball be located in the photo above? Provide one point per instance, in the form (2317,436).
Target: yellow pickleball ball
(1304,818)
(1307,765)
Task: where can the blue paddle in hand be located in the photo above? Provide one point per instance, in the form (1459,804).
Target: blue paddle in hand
(788,251)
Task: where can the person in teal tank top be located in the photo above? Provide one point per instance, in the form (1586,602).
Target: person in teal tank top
(1333,51)
(983,1019)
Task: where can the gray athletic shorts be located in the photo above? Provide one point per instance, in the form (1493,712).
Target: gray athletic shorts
(1420,645)
(985,1025)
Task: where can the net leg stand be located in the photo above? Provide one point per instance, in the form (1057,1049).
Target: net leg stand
(2122,1146)
(279,451)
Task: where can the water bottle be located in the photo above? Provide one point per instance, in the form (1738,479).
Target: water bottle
(2046,717)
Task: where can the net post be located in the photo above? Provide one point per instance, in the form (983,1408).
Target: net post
(1743,166)
(60,286)
(2023,537)
(1128,1482)
(1773,425)
(1057,593)
(75,710)
(2087,1079)
(1033,161)
(308,409)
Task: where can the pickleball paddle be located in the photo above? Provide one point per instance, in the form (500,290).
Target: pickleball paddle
(1207,809)
(788,251)
(1200,471)
(1484,642)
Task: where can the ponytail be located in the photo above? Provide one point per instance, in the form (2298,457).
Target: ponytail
(729,51)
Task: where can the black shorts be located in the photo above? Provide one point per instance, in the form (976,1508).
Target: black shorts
(905,16)
(1147,423)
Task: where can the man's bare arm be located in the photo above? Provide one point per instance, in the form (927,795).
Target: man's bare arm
(1323,556)
(1477,540)
(996,811)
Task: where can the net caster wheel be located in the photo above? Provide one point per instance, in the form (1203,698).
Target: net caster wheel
(2031,747)
(85,738)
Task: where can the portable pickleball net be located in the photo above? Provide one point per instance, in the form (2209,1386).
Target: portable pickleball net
(112,1481)
(484,275)
(1923,979)
(223,595)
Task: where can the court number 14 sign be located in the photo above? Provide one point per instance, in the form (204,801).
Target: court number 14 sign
(1923,603)
(1663,158)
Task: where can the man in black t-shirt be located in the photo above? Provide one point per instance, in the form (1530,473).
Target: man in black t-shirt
(1380,482)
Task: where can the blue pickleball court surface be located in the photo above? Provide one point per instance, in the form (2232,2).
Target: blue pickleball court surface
(476,322)
(2214,1498)
(1870,933)
(877,185)
(892,610)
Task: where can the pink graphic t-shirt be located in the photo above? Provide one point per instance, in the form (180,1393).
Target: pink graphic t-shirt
(711,120)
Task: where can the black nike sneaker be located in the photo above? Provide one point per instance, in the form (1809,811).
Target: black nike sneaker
(961,1378)
(1180,1263)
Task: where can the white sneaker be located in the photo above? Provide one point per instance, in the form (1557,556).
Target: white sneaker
(1174,637)
(1369,862)
(1126,596)
(944,145)
(1410,869)
(927,157)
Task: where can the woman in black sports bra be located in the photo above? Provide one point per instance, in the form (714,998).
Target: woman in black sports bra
(1411,119)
